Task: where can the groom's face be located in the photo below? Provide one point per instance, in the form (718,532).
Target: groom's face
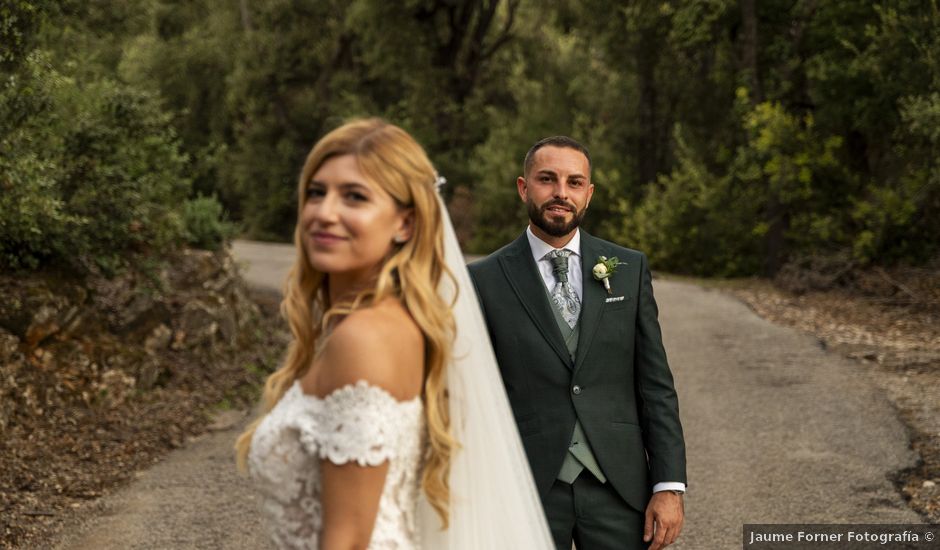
(557,190)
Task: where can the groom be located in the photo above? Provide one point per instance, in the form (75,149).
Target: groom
(584,366)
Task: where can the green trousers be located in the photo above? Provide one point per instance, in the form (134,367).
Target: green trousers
(593,515)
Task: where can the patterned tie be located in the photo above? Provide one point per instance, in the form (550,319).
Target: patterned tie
(563,295)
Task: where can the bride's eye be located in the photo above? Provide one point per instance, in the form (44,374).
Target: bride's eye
(355,196)
(314,192)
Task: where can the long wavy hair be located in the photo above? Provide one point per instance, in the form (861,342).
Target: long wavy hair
(393,160)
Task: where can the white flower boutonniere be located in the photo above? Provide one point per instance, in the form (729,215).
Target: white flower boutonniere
(604,268)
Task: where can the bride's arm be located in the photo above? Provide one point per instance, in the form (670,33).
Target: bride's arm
(383,347)
(350,504)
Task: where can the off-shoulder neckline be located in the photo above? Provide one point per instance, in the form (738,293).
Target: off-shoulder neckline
(348,388)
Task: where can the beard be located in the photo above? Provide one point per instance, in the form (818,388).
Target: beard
(538,216)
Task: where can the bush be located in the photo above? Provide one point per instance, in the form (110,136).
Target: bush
(92,176)
(785,173)
(206,226)
(35,225)
(123,171)
(693,221)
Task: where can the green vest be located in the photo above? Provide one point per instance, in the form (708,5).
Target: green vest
(580,455)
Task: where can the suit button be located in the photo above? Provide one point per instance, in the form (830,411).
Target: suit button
(576,390)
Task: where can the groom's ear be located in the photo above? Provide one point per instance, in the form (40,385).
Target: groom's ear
(521,187)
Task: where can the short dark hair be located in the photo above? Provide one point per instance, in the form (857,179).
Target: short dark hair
(554,141)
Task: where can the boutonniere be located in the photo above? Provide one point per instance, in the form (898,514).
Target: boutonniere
(604,268)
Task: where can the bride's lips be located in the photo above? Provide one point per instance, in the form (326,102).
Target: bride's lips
(325,238)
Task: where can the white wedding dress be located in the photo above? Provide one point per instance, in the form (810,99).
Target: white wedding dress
(358,423)
(493,501)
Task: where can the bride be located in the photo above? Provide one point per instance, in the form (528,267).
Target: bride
(387,427)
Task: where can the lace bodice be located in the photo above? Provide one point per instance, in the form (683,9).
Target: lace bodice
(357,423)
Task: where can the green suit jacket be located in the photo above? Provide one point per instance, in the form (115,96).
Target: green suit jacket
(619,385)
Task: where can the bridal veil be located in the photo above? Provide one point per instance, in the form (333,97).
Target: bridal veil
(494,503)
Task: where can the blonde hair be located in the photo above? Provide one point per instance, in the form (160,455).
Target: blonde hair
(394,161)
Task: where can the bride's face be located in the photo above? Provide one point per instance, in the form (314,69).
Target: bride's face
(349,224)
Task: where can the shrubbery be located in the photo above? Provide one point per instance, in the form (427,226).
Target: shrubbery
(92,173)
(35,225)
(815,137)
(206,226)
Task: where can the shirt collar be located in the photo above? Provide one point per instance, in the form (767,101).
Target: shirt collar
(540,248)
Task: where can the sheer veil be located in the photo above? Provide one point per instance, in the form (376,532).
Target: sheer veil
(494,503)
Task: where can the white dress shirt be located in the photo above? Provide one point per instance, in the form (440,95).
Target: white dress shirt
(575,278)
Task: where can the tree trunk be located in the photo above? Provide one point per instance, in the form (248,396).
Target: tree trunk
(648,151)
(750,49)
(246,15)
(775,214)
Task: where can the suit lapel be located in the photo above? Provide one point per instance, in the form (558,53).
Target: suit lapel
(593,296)
(525,280)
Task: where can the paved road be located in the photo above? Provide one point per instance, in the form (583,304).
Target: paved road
(266,265)
(778,431)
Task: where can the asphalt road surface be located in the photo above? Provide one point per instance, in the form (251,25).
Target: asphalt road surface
(777,429)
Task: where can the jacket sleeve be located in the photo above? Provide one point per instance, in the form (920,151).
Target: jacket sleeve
(657,400)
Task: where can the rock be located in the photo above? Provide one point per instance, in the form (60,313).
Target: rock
(32,311)
(43,324)
(246,310)
(148,373)
(200,323)
(159,339)
(928,484)
(193,268)
(130,303)
(228,327)
(142,314)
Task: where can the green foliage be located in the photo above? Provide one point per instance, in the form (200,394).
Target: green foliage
(92,175)
(787,162)
(255,84)
(832,149)
(206,226)
(727,136)
(542,96)
(92,172)
(189,67)
(123,171)
(692,221)
(19,21)
(900,219)
(35,225)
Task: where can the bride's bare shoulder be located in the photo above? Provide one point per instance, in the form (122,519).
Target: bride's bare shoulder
(380,344)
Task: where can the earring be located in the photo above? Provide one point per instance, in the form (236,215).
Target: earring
(400,240)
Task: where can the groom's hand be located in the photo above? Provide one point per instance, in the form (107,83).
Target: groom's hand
(664,517)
